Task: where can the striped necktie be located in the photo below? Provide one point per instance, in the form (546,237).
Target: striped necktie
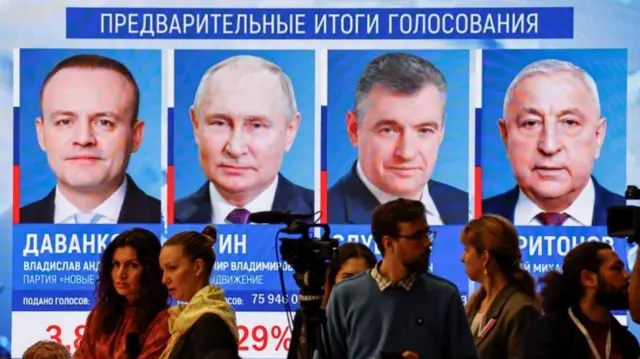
(86,218)
(239,216)
(552,218)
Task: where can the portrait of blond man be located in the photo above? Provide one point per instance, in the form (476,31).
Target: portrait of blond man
(244,119)
(553,130)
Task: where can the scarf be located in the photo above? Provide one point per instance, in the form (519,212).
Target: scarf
(209,300)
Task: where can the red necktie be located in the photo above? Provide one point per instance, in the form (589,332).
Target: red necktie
(552,218)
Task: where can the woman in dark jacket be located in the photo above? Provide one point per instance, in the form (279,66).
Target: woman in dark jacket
(205,327)
(506,303)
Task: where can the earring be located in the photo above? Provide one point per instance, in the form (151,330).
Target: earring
(485,271)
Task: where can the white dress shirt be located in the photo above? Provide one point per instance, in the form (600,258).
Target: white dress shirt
(108,211)
(433,216)
(222,208)
(580,211)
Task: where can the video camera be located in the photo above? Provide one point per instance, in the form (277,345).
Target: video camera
(309,257)
(624,221)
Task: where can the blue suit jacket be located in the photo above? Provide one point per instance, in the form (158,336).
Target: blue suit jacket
(504,204)
(351,202)
(196,208)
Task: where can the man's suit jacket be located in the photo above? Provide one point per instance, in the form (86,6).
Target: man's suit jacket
(511,311)
(504,204)
(196,208)
(351,202)
(138,207)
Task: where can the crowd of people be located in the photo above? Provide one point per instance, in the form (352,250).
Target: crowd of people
(375,309)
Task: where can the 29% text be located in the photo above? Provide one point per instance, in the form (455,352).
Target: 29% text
(260,337)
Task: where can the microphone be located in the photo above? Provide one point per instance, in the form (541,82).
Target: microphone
(277,217)
(133,346)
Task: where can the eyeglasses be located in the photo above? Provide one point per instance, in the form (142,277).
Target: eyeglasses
(429,234)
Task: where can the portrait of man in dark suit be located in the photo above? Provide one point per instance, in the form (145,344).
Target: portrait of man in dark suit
(89,128)
(553,131)
(397,124)
(244,119)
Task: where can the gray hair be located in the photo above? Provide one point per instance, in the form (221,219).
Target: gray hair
(548,67)
(399,73)
(256,63)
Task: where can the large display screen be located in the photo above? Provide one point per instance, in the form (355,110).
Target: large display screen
(531,109)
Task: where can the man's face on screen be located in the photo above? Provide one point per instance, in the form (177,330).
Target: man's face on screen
(398,139)
(553,133)
(86,129)
(243,127)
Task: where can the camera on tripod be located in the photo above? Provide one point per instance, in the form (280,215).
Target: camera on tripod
(309,257)
(624,221)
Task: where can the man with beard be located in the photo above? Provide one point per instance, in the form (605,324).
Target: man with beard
(397,307)
(577,304)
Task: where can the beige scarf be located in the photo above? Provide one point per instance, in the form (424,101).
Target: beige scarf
(209,299)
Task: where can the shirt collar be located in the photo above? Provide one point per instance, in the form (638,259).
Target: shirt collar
(109,209)
(580,211)
(385,283)
(382,197)
(221,207)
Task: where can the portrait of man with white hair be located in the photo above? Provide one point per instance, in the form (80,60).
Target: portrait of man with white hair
(244,118)
(553,129)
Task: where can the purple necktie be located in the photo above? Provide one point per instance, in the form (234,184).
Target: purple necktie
(552,218)
(239,216)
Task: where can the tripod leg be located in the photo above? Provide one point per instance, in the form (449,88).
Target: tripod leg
(324,340)
(295,337)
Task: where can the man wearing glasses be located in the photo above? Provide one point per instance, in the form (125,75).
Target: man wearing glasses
(397,307)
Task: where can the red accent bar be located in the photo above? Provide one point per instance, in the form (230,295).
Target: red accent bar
(170,194)
(478,192)
(323,196)
(16,194)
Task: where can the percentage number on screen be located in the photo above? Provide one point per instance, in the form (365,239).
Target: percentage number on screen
(55,332)
(260,337)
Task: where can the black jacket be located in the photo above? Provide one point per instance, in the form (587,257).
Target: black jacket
(208,338)
(554,335)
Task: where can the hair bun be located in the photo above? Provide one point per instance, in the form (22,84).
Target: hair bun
(211,232)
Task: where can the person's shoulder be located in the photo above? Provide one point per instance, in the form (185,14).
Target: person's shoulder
(195,207)
(91,317)
(500,198)
(521,307)
(296,190)
(450,191)
(40,211)
(551,321)
(162,317)
(607,197)
(440,283)
(212,323)
(199,195)
(357,283)
(209,320)
(341,184)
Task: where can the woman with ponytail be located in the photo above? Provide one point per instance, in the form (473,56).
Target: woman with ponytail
(506,303)
(204,325)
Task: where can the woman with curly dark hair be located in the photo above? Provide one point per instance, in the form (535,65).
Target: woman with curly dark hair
(130,314)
